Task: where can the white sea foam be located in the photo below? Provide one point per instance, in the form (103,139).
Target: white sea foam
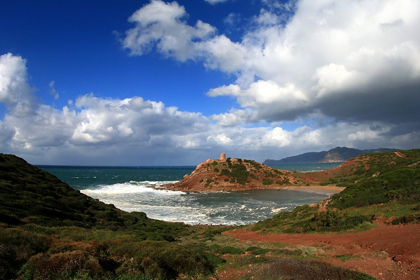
(132,187)
(210,208)
(277,210)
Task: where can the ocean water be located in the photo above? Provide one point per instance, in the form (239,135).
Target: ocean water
(132,189)
(307,167)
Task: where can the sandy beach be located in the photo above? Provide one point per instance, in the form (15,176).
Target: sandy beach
(329,189)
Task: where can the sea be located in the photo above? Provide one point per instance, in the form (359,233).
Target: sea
(137,189)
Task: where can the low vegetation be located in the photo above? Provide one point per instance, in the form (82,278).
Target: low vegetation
(395,185)
(306,219)
(50,231)
(386,185)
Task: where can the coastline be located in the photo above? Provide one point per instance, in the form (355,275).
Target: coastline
(329,189)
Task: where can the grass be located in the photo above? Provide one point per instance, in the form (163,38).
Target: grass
(305,219)
(50,231)
(396,185)
(347,257)
(386,210)
(305,269)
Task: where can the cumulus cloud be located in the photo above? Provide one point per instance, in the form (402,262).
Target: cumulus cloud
(93,130)
(162,26)
(15,93)
(350,60)
(354,63)
(269,99)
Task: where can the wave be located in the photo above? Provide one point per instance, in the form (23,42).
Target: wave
(133,187)
(196,208)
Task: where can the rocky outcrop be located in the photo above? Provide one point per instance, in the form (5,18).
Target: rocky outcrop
(233,175)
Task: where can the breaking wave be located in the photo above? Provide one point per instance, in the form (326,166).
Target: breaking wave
(133,187)
(221,208)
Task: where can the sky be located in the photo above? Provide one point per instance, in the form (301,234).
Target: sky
(137,83)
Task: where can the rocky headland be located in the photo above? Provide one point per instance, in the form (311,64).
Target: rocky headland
(231,174)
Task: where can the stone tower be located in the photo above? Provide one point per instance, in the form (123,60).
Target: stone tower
(222,156)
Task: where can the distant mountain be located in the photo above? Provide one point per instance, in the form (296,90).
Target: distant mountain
(338,154)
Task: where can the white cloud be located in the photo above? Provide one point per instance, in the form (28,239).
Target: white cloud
(316,55)
(357,63)
(214,2)
(266,18)
(231,20)
(15,93)
(53,91)
(266,98)
(137,131)
(162,24)
(233,118)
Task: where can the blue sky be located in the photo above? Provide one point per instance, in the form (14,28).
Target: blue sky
(75,44)
(177,82)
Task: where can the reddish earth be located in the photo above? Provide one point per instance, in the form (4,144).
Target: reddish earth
(216,175)
(385,252)
(400,155)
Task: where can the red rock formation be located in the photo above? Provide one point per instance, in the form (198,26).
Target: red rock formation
(233,175)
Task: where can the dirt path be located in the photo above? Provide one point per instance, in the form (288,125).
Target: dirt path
(385,252)
(398,154)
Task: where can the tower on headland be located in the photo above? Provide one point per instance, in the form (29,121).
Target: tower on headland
(222,156)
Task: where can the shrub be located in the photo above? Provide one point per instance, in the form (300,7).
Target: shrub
(302,269)
(62,265)
(402,185)
(267,182)
(336,221)
(230,250)
(407,219)
(240,173)
(225,172)
(257,250)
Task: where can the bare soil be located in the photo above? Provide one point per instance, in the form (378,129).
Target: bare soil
(385,252)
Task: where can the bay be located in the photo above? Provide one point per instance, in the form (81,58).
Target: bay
(134,189)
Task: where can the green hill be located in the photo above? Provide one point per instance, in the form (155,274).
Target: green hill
(50,231)
(380,185)
(338,154)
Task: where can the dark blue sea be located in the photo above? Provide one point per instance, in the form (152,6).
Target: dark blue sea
(131,189)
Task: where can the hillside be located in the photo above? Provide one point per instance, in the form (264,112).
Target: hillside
(363,167)
(233,175)
(241,174)
(31,195)
(381,198)
(338,154)
(50,231)
(378,182)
